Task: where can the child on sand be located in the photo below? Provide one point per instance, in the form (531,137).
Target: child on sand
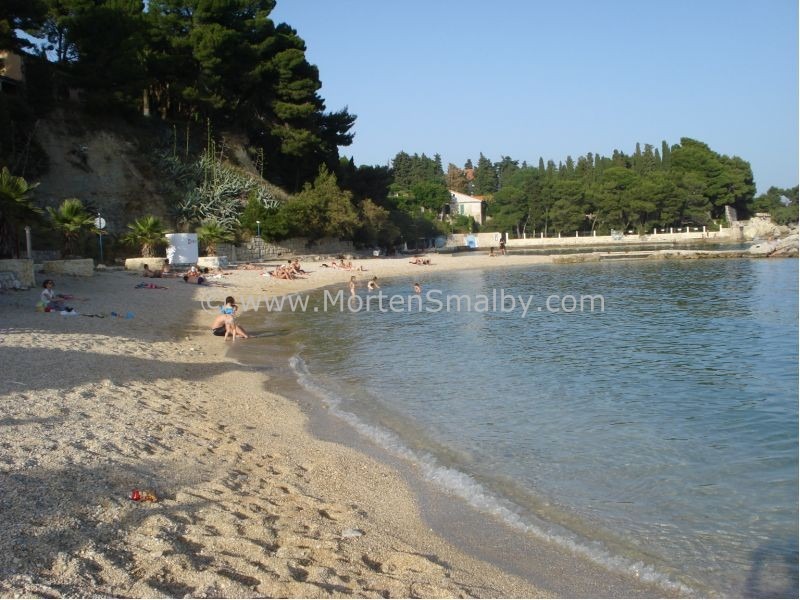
(51,300)
(229,312)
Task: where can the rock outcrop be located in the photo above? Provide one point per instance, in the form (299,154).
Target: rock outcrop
(786,247)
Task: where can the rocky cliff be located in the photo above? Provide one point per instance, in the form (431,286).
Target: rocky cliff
(103,163)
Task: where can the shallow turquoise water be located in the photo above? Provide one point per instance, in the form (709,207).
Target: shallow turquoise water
(657,436)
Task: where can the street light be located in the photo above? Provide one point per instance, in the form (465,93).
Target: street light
(100,223)
(258,228)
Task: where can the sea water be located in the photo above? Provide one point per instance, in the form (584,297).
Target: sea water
(642,414)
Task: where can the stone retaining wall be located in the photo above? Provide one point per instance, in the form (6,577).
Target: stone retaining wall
(488,240)
(138,263)
(83,267)
(22,268)
(257,249)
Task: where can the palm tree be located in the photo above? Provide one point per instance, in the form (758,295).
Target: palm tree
(210,233)
(16,207)
(72,220)
(147,233)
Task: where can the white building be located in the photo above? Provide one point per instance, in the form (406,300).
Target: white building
(468,206)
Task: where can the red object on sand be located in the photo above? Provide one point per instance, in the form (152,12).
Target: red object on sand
(143,496)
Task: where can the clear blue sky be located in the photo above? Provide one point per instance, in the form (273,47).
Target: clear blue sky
(531,78)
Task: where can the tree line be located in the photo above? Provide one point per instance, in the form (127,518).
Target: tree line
(186,65)
(190,61)
(685,184)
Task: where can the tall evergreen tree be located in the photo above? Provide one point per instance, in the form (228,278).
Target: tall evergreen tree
(485,177)
(666,153)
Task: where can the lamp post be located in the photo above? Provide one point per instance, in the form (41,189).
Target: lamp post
(100,223)
(258,229)
(28,241)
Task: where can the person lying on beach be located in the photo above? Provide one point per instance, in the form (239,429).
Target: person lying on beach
(280,272)
(248,267)
(214,273)
(348,266)
(218,327)
(418,260)
(51,300)
(151,286)
(149,273)
(198,279)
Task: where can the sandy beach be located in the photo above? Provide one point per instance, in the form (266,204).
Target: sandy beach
(250,504)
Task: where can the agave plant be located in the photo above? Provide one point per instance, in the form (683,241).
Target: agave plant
(72,220)
(147,233)
(210,233)
(16,207)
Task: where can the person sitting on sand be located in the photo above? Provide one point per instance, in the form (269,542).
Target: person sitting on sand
(296,267)
(166,270)
(51,300)
(219,326)
(229,310)
(293,270)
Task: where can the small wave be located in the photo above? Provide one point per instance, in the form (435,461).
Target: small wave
(477,496)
